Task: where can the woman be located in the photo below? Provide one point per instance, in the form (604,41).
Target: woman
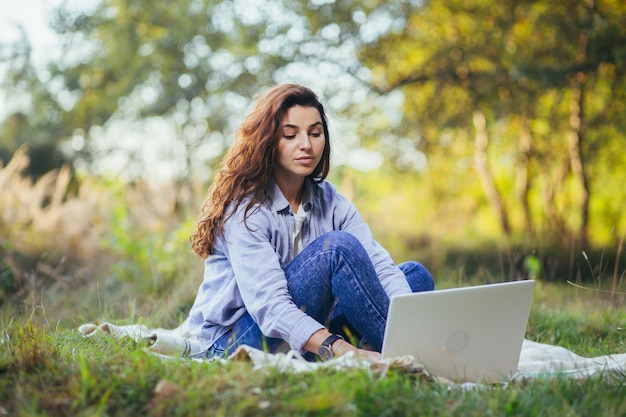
(287,258)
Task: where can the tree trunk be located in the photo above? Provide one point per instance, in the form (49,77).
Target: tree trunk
(521,172)
(551,184)
(481,141)
(575,132)
(574,141)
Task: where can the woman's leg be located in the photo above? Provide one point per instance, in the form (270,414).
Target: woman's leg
(336,268)
(419,279)
(244,332)
(417,275)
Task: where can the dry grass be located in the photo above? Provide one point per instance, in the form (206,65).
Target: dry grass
(87,241)
(42,215)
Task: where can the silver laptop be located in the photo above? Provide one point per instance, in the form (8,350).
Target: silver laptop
(467,334)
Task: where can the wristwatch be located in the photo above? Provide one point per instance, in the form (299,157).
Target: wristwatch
(326,351)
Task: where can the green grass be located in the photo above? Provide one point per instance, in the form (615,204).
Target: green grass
(57,372)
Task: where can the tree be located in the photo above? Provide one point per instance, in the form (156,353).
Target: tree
(529,94)
(517,77)
(24,125)
(189,61)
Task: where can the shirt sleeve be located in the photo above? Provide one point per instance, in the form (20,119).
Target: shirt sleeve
(347,218)
(262,281)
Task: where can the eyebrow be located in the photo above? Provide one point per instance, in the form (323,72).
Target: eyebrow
(297,127)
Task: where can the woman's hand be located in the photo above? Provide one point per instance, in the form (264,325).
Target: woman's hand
(341,347)
(369,355)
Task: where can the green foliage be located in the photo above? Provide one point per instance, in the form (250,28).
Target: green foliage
(518,64)
(7,282)
(149,239)
(409,79)
(27,348)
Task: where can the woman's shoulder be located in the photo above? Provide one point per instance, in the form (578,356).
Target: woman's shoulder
(245,219)
(247,211)
(323,186)
(327,191)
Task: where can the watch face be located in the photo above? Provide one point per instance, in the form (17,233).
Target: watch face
(325,353)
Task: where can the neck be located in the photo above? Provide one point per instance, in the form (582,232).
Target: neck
(293,191)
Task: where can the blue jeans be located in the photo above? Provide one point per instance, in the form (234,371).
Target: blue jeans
(333,281)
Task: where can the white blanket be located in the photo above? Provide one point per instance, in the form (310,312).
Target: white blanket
(537,360)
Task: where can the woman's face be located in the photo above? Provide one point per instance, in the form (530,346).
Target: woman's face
(300,145)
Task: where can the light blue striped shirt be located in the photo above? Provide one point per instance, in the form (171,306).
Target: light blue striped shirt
(245,270)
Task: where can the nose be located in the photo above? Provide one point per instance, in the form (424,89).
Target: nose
(305,141)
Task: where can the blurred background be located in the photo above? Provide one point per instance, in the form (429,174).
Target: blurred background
(483,138)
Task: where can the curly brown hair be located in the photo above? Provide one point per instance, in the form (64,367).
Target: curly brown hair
(248,165)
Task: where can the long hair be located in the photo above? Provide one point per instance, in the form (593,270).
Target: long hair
(248,165)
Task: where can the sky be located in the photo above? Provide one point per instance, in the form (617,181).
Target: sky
(34,16)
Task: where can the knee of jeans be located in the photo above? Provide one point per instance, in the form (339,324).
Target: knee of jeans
(428,282)
(418,276)
(338,239)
